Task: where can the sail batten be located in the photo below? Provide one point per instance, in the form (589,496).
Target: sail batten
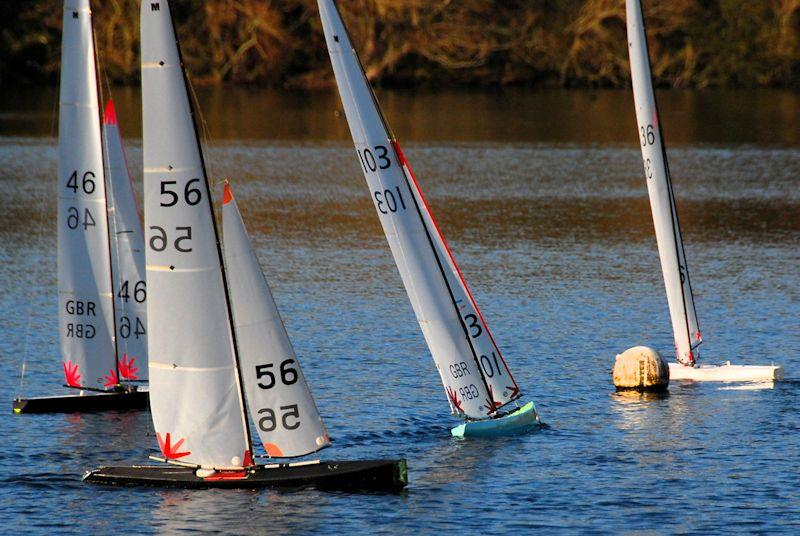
(659,185)
(476,380)
(196,403)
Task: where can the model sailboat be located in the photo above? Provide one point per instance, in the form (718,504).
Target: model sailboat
(102,340)
(215,333)
(477,381)
(668,231)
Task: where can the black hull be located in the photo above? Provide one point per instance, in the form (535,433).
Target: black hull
(134,400)
(373,475)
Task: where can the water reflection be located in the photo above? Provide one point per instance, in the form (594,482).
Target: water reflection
(763,116)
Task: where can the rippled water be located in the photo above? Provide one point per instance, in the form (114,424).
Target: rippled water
(555,236)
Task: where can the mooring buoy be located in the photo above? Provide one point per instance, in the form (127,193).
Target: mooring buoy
(640,369)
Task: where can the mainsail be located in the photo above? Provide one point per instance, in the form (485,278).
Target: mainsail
(280,401)
(127,256)
(659,186)
(195,393)
(86,309)
(475,376)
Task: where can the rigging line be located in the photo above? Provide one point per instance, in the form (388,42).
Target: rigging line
(223,274)
(40,237)
(204,131)
(673,210)
(114,252)
(103,157)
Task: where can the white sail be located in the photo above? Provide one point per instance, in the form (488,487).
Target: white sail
(195,396)
(278,396)
(472,370)
(127,256)
(659,186)
(86,316)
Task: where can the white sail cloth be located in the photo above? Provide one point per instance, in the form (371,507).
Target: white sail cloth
(280,401)
(195,397)
(662,201)
(86,316)
(476,379)
(127,256)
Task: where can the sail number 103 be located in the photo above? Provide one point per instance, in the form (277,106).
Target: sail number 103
(387,201)
(374,159)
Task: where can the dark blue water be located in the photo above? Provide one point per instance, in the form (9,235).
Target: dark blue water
(556,241)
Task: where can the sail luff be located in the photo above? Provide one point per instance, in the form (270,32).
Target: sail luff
(237,368)
(432,283)
(423,210)
(500,393)
(86,312)
(196,398)
(662,203)
(113,381)
(287,419)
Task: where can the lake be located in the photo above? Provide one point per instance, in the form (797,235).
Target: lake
(542,197)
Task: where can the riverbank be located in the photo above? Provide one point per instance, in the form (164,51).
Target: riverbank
(570,43)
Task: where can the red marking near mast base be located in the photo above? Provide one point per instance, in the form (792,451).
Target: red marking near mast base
(111,379)
(491,404)
(127,368)
(226,475)
(451,394)
(169,450)
(71,374)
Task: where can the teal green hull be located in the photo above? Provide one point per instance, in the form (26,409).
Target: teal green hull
(520,421)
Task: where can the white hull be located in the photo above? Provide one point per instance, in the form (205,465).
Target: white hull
(726,373)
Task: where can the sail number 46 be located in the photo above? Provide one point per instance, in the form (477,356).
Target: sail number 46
(86,183)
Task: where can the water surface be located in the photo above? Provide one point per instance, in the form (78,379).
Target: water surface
(542,198)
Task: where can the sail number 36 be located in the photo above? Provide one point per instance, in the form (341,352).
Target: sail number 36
(648,135)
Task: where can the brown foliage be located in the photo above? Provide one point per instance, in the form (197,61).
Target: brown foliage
(543,42)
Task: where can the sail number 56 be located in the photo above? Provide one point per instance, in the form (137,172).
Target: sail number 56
(191,195)
(267,377)
(268,421)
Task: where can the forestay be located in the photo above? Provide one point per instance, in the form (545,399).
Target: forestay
(277,393)
(85,305)
(127,256)
(659,186)
(475,376)
(195,396)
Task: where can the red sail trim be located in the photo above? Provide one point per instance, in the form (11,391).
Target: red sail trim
(407,166)
(128,368)
(227,194)
(111,379)
(110,115)
(170,451)
(71,373)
